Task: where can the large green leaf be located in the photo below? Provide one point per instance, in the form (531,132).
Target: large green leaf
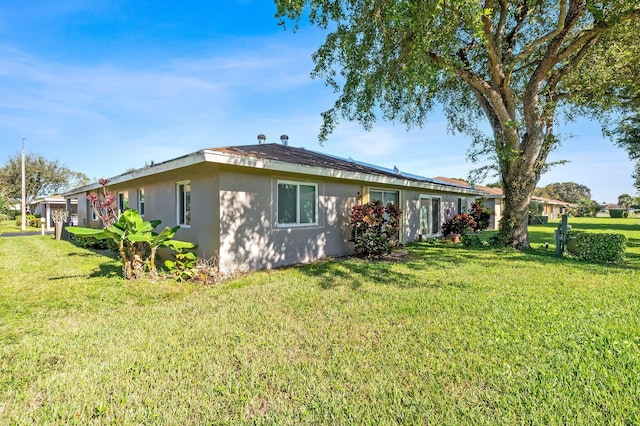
(87,232)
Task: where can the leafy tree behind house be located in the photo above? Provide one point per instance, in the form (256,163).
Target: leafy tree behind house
(569,192)
(516,63)
(625,201)
(587,208)
(43,177)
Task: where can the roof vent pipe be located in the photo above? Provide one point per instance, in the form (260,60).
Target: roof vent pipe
(285,140)
(261,139)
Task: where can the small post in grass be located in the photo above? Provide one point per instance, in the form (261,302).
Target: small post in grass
(561,234)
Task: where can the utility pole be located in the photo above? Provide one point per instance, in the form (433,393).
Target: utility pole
(24,192)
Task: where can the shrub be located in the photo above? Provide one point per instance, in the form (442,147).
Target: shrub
(95,244)
(600,247)
(473,241)
(459,224)
(32,220)
(618,213)
(480,214)
(4,216)
(375,228)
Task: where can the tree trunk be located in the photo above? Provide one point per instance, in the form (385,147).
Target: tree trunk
(518,187)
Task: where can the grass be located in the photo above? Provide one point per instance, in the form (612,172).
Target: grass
(9,226)
(446,336)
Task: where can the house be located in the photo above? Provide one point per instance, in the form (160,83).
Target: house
(268,205)
(495,199)
(45,206)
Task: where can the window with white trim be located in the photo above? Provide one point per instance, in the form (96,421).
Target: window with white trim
(462,205)
(141,201)
(385,196)
(297,203)
(123,201)
(184,203)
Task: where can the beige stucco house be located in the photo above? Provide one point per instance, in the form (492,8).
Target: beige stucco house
(46,205)
(494,200)
(268,205)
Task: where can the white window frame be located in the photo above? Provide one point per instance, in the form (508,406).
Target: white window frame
(140,193)
(430,198)
(462,205)
(122,199)
(383,191)
(94,217)
(178,203)
(297,222)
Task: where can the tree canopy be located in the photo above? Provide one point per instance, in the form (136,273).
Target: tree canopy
(515,63)
(43,177)
(569,192)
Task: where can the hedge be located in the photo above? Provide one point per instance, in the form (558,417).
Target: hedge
(600,247)
(618,213)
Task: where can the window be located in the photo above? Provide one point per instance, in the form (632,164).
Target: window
(94,217)
(462,205)
(297,203)
(123,201)
(385,196)
(141,201)
(430,223)
(184,203)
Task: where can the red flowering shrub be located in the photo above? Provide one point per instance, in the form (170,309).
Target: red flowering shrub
(480,214)
(375,228)
(460,224)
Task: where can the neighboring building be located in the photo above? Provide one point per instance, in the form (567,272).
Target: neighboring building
(268,205)
(494,200)
(44,207)
(493,197)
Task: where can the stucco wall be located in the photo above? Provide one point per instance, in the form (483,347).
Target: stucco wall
(411,209)
(251,237)
(234,214)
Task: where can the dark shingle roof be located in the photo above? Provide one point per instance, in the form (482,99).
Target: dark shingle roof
(294,155)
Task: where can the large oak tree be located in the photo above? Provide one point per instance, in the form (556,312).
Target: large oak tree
(517,63)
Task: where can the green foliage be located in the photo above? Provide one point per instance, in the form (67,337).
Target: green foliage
(626,201)
(459,224)
(43,177)
(31,220)
(137,243)
(569,192)
(511,63)
(600,247)
(618,213)
(95,244)
(4,205)
(473,241)
(375,228)
(587,208)
(183,265)
(480,213)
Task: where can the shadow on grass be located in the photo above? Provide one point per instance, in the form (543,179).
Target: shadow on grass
(411,271)
(416,270)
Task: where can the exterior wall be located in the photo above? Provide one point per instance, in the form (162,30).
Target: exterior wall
(234,214)
(251,238)
(411,211)
(161,204)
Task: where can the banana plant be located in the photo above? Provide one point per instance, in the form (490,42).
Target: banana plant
(135,239)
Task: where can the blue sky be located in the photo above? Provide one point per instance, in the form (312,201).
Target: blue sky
(107,86)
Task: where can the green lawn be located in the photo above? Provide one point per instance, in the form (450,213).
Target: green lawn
(446,336)
(9,226)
